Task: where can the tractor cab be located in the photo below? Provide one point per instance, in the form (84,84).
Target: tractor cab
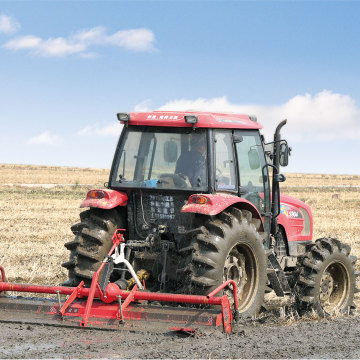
(166,155)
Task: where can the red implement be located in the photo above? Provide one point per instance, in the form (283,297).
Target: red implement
(95,307)
(137,307)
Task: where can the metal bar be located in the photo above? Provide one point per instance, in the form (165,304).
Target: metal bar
(40,289)
(129,299)
(89,303)
(222,286)
(112,291)
(71,298)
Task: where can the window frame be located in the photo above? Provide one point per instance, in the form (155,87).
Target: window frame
(114,183)
(264,170)
(236,174)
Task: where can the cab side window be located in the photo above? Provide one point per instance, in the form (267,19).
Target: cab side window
(253,184)
(224,153)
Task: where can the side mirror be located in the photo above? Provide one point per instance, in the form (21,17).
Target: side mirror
(254,160)
(170,151)
(284,154)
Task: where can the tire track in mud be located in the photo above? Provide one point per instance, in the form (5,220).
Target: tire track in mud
(336,338)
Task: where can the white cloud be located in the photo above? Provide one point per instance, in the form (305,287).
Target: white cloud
(45,138)
(24,42)
(137,40)
(8,25)
(95,35)
(143,106)
(323,116)
(98,130)
(111,130)
(79,43)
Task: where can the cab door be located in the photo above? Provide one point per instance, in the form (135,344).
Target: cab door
(253,175)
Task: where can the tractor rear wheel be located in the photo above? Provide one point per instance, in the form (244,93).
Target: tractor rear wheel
(92,242)
(326,281)
(229,247)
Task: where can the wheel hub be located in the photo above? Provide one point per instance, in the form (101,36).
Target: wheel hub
(234,269)
(334,287)
(326,287)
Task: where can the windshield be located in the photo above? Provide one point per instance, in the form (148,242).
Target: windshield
(162,158)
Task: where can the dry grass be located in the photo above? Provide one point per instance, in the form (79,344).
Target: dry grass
(35,222)
(36,174)
(322,180)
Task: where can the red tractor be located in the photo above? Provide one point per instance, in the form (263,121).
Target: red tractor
(198,196)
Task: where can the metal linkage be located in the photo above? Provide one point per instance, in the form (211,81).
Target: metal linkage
(235,291)
(71,298)
(119,258)
(112,293)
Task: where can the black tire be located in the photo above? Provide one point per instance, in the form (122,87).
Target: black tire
(229,246)
(92,242)
(326,282)
(280,248)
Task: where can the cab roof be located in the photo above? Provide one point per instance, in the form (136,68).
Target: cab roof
(205,119)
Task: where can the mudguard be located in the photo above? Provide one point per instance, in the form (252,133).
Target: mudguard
(213,204)
(104,199)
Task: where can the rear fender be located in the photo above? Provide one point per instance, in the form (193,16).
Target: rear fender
(213,204)
(104,199)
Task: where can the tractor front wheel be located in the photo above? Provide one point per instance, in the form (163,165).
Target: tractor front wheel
(326,282)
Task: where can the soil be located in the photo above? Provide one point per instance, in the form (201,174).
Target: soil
(335,338)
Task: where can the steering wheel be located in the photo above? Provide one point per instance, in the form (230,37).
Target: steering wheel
(180,180)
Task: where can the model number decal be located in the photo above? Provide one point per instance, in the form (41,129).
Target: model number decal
(162,207)
(290,212)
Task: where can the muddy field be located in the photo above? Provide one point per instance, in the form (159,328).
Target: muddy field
(35,223)
(338,338)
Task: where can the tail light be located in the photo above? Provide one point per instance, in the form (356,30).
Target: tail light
(96,194)
(199,199)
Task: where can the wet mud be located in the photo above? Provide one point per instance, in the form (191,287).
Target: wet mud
(335,338)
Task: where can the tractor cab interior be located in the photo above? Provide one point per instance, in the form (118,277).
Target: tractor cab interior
(162,158)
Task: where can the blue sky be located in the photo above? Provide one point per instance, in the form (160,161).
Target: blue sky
(68,67)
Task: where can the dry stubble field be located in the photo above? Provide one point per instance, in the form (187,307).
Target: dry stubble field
(35,221)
